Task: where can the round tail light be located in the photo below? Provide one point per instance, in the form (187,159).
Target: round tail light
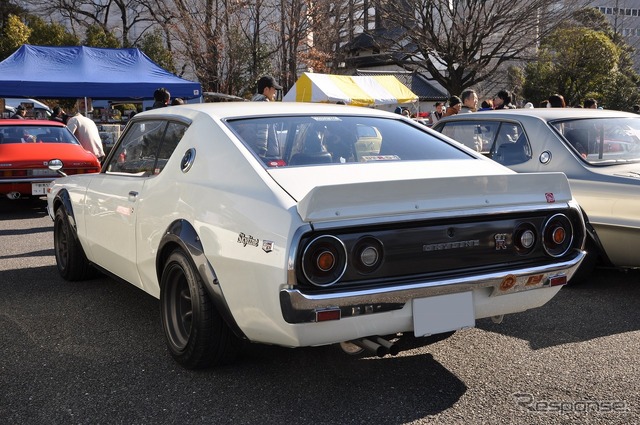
(367,254)
(557,235)
(525,238)
(324,260)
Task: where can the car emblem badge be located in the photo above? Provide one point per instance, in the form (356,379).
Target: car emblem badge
(508,282)
(267,246)
(501,241)
(248,240)
(550,198)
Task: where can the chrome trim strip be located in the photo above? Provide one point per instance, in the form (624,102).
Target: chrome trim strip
(29,180)
(298,307)
(293,250)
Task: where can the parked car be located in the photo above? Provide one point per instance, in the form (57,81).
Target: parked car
(27,146)
(320,243)
(598,150)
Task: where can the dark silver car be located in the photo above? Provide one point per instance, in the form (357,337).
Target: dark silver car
(598,150)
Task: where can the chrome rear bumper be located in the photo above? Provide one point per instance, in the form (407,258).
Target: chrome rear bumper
(298,307)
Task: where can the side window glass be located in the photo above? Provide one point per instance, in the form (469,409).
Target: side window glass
(172,137)
(136,153)
(511,145)
(477,135)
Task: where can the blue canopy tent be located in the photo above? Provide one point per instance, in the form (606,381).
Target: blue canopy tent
(98,73)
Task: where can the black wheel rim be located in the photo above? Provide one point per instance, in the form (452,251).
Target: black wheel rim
(178,309)
(61,244)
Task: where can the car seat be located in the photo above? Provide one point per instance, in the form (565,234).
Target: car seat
(579,139)
(312,152)
(511,153)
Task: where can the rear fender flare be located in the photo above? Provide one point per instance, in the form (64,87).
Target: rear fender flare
(181,234)
(63,200)
(592,236)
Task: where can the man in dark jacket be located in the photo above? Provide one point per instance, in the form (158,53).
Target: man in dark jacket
(20,113)
(503,100)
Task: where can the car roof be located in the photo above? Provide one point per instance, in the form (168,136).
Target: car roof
(13,102)
(223,110)
(547,114)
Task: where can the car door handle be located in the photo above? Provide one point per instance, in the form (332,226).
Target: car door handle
(133,195)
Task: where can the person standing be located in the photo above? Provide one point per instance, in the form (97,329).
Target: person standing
(557,101)
(469,101)
(487,105)
(58,114)
(591,103)
(455,104)
(503,100)
(20,113)
(86,131)
(161,98)
(266,142)
(267,89)
(437,114)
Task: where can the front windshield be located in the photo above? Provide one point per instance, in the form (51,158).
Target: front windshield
(337,139)
(602,141)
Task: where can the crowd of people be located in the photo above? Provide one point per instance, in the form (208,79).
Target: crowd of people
(86,131)
(468,102)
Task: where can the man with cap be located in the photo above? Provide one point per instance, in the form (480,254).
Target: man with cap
(266,143)
(20,113)
(267,89)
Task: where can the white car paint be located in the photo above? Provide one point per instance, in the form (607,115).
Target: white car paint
(232,201)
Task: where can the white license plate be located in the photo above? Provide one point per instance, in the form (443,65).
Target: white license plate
(443,313)
(39,188)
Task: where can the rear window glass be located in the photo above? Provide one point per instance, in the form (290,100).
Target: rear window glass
(336,139)
(603,140)
(36,134)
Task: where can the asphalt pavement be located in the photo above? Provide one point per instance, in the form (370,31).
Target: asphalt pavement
(93,353)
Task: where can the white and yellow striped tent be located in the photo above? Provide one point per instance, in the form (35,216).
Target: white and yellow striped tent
(352,90)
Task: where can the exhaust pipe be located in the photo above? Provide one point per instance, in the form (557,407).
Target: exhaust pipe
(13,195)
(377,346)
(391,348)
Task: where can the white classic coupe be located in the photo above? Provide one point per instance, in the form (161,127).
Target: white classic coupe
(302,225)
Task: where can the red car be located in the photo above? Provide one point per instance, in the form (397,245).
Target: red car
(27,146)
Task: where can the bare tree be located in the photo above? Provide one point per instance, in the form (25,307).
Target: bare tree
(258,22)
(126,15)
(294,37)
(461,43)
(333,24)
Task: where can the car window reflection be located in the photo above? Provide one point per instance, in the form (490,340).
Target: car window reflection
(146,147)
(602,141)
(316,140)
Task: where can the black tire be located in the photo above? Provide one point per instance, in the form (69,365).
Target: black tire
(196,334)
(588,265)
(71,261)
